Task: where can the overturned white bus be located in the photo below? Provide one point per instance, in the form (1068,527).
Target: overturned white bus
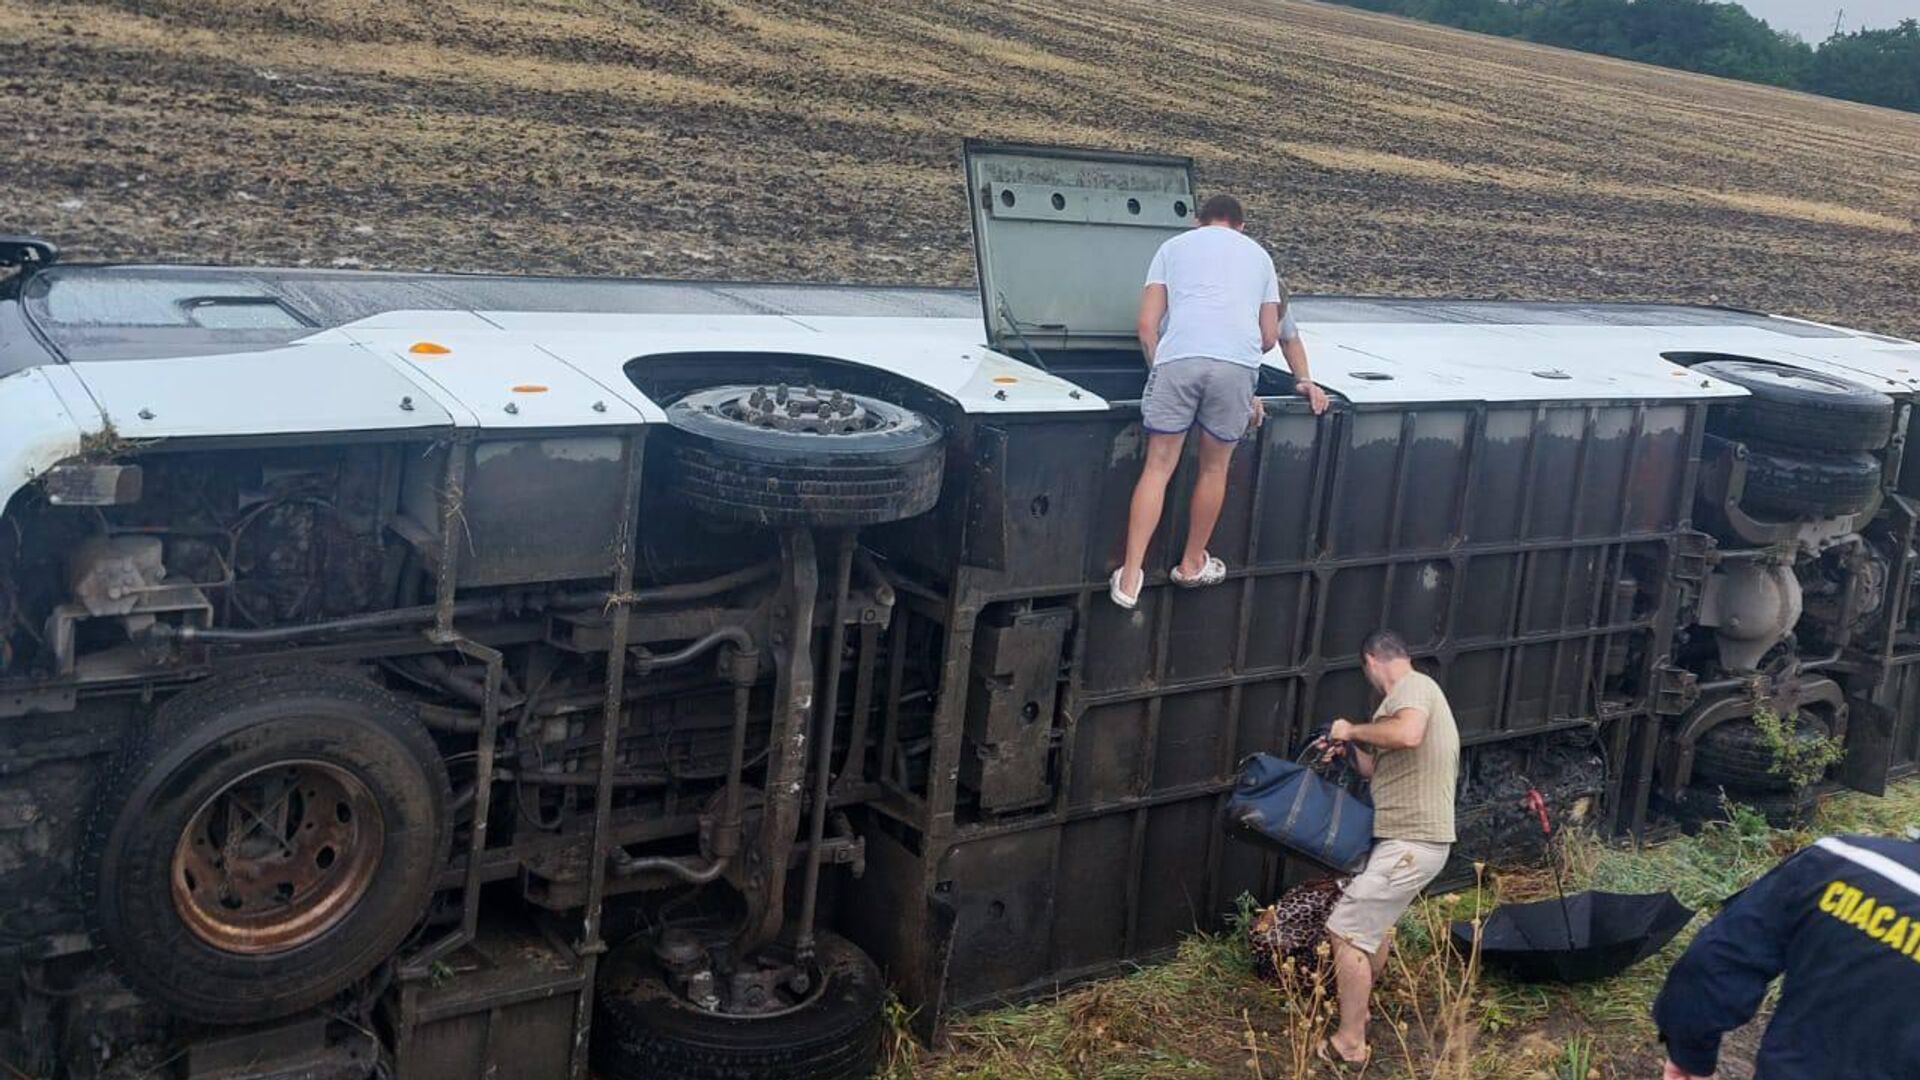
(466,672)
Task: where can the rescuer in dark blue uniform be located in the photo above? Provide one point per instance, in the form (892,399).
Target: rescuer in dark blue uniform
(1841,920)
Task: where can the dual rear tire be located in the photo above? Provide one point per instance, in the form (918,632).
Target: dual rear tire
(1808,438)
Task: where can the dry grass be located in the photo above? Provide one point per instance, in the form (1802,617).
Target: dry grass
(1437,1017)
(1118,1028)
(798,140)
(1440,989)
(1308,1007)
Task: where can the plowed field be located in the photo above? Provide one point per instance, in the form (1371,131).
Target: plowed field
(793,140)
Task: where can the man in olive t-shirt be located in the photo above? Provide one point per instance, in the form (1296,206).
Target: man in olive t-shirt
(1411,750)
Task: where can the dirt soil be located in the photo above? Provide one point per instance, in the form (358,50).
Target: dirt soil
(802,140)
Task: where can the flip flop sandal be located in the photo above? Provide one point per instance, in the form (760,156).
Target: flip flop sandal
(1212,573)
(1325,1051)
(1119,595)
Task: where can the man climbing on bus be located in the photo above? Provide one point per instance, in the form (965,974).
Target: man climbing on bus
(1211,309)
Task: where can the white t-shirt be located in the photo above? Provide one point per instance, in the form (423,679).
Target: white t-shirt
(1216,277)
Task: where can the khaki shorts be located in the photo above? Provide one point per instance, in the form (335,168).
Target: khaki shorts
(1395,873)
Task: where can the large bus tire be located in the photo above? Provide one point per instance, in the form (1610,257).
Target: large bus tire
(264,842)
(1736,754)
(643,1030)
(1806,482)
(842,461)
(1806,409)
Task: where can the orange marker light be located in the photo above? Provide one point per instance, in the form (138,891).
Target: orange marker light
(428,348)
(1006,380)
(529,388)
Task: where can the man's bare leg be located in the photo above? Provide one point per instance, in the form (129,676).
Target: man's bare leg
(1353,973)
(1149,499)
(1209,494)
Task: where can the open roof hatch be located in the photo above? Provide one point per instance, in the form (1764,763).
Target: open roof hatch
(1062,239)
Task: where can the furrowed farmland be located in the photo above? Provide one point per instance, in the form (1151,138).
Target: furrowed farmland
(790,140)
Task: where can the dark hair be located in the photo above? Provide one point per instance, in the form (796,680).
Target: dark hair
(1222,208)
(1384,645)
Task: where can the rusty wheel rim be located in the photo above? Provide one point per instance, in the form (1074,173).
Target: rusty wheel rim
(277,858)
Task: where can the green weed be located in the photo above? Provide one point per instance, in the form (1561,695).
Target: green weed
(1576,1061)
(1801,761)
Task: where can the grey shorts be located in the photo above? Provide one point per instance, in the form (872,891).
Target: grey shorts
(1216,394)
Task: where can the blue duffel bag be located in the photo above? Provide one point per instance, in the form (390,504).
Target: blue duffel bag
(1287,805)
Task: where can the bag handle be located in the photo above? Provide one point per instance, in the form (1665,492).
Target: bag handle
(1338,772)
(1309,758)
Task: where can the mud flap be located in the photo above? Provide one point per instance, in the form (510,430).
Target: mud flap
(987,532)
(911,939)
(1869,748)
(941,919)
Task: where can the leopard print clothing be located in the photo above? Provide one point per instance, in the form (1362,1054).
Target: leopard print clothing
(1293,929)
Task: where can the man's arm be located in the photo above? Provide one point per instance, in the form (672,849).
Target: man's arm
(1269,326)
(1404,730)
(1295,351)
(1153,309)
(1720,981)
